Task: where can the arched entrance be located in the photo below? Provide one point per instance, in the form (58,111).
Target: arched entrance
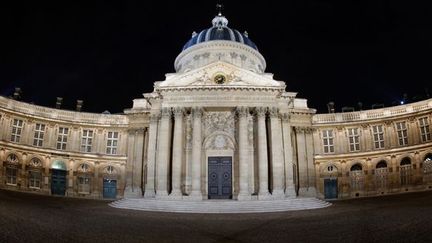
(330,182)
(109,183)
(58,178)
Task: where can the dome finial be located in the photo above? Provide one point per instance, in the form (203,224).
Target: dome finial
(219,8)
(219,20)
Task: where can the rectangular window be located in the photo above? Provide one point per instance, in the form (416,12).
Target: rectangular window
(378,136)
(353,139)
(84,185)
(35,179)
(402,133)
(11,176)
(328,141)
(17,127)
(424,129)
(112,142)
(62,138)
(86,141)
(39,135)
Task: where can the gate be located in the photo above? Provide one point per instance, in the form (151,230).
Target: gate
(219,177)
(109,188)
(330,188)
(58,182)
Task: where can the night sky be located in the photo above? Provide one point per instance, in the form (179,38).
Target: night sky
(110,52)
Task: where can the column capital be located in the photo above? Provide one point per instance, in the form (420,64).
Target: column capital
(261,111)
(154,117)
(178,112)
(274,112)
(197,112)
(285,117)
(242,111)
(166,112)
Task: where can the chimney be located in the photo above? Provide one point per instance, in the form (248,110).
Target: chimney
(59,102)
(330,107)
(17,93)
(79,105)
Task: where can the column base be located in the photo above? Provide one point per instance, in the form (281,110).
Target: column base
(149,194)
(130,193)
(278,194)
(194,196)
(244,197)
(264,196)
(161,195)
(307,192)
(290,192)
(176,195)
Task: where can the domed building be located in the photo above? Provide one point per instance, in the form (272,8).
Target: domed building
(217,128)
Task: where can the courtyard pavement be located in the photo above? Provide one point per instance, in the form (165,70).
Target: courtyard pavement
(34,218)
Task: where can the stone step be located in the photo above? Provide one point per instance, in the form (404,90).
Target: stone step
(220,206)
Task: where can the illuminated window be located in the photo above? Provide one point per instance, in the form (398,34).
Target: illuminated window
(86,141)
(35,179)
(11,175)
(17,127)
(405,171)
(427,168)
(328,141)
(356,175)
(424,129)
(402,133)
(84,184)
(112,142)
(353,139)
(62,138)
(39,135)
(381,173)
(378,136)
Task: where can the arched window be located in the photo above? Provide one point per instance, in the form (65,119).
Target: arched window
(35,162)
(381,173)
(405,171)
(427,168)
(12,158)
(356,175)
(84,179)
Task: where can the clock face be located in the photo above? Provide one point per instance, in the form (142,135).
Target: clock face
(220,79)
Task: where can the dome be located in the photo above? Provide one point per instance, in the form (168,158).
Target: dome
(219,31)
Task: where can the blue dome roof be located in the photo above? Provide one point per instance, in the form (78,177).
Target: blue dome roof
(219,31)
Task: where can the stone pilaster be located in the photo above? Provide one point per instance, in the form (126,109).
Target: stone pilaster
(163,158)
(288,155)
(150,190)
(244,193)
(305,162)
(177,152)
(277,163)
(130,191)
(263,191)
(196,154)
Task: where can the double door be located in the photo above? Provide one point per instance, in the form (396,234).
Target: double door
(220,177)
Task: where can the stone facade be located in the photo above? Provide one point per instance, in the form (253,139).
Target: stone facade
(220,127)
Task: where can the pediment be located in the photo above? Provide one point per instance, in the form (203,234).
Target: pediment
(205,76)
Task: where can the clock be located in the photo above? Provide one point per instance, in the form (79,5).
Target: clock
(219,79)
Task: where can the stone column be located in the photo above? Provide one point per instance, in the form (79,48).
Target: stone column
(177,152)
(163,154)
(288,152)
(138,162)
(277,166)
(311,190)
(263,191)
(150,191)
(244,193)
(196,154)
(129,191)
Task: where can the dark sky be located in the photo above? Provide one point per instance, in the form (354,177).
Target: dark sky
(110,52)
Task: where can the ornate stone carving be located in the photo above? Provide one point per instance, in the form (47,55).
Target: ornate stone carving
(154,117)
(178,112)
(242,111)
(219,122)
(274,112)
(166,112)
(197,112)
(250,129)
(35,163)
(219,142)
(285,117)
(233,55)
(261,111)
(189,131)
